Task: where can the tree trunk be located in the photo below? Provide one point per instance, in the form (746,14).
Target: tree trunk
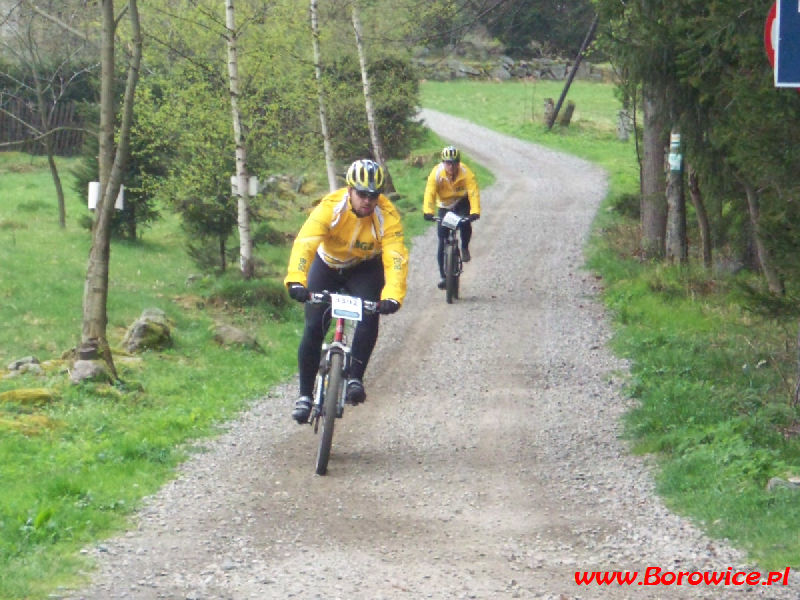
(624,125)
(242,187)
(573,70)
(774,282)
(653,203)
(566,118)
(47,141)
(702,218)
(796,395)
(377,145)
(330,162)
(676,245)
(112,163)
(549,111)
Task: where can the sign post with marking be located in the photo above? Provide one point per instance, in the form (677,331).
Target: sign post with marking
(786,41)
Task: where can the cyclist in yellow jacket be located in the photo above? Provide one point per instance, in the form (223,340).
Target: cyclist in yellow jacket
(352,241)
(452,186)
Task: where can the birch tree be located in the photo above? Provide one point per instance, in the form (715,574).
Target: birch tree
(242,191)
(377,145)
(330,162)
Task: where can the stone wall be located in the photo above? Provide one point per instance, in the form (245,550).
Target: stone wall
(504,68)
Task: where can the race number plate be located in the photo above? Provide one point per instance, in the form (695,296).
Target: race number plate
(345,307)
(451,220)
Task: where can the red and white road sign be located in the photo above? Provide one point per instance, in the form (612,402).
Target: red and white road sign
(771,33)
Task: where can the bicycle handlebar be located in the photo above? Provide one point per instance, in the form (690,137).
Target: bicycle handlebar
(369,307)
(439,219)
(461,220)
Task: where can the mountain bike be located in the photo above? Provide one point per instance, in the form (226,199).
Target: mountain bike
(452,254)
(329,387)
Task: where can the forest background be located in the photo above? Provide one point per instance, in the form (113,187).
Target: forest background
(718,387)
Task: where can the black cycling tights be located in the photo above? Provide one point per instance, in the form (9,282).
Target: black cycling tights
(364,280)
(461,208)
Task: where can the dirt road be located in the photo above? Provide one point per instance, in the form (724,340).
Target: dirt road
(485,464)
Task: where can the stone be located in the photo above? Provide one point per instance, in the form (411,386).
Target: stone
(92,370)
(151,331)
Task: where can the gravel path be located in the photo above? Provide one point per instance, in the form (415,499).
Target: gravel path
(485,464)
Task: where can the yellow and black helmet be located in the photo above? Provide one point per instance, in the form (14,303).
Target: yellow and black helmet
(365,175)
(451,154)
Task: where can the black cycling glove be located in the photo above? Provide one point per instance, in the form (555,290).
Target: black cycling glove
(298,292)
(388,306)
(427,216)
(474,217)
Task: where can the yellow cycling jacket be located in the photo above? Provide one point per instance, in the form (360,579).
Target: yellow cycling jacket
(342,240)
(440,192)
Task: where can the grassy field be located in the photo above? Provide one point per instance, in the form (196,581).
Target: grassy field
(714,377)
(75,463)
(713,385)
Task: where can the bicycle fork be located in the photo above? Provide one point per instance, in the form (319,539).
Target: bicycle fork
(457,266)
(320,385)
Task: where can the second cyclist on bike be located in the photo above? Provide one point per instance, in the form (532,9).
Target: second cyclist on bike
(352,241)
(452,186)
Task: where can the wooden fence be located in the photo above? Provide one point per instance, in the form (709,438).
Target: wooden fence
(14,135)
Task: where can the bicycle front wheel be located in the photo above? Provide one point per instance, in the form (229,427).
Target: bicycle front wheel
(329,407)
(450,273)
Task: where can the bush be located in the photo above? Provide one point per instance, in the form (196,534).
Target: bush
(395,90)
(266,293)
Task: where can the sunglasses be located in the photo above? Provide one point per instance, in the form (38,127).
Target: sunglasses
(366,194)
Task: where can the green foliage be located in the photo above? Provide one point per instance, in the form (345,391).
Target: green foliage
(73,469)
(707,62)
(197,186)
(185,105)
(627,205)
(530,27)
(713,402)
(269,294)
(395,91)
(53,71)
(151,149)
(712,397)
(713,378)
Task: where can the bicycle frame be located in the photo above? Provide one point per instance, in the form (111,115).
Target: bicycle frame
(452,240)
(453,265)
(338,345)
(330,385)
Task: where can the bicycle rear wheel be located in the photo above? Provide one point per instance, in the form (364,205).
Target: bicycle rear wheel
(457,271)
(450,273)
(329,406)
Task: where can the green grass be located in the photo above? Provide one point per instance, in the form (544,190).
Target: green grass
(713,384)
(714,380)
(517,108)
(72,470)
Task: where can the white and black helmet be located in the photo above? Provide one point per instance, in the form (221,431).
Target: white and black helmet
(451,154)
(365,176)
